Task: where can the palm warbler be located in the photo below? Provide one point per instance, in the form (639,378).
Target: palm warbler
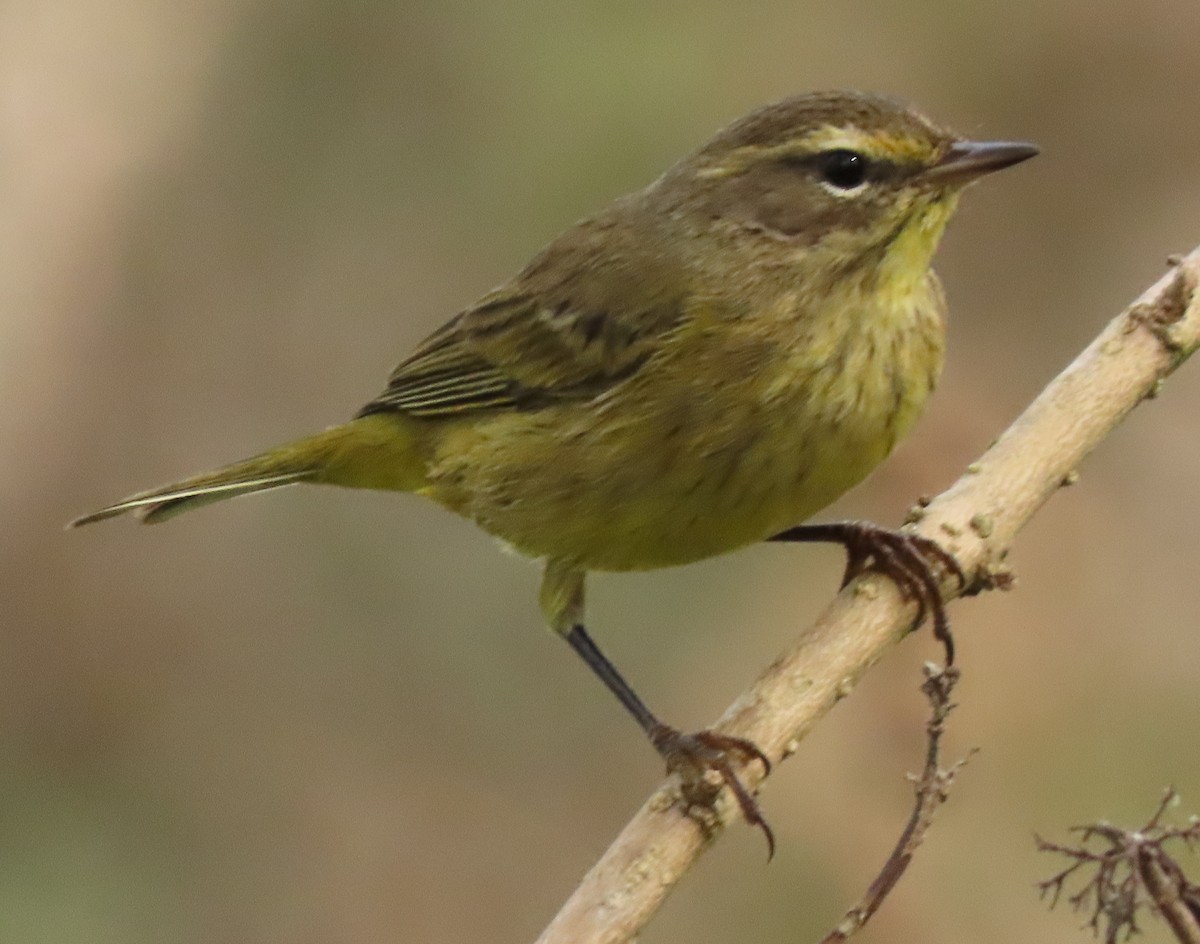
(700,366)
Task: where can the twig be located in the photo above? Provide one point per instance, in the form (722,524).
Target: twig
(979,516)
(931,789)
(1131,872)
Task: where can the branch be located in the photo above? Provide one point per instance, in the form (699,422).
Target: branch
(978,516)
(1131,872)
(932,789)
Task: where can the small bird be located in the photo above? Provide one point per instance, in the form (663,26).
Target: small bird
(702,365)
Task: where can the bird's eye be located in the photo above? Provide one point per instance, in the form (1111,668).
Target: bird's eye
(842,168)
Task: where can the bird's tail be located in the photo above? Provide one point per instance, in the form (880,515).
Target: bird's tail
(377,451)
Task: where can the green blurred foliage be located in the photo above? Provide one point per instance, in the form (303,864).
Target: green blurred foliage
(332,717)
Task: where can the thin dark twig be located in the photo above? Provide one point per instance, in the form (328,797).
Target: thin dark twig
(1132,872)
(932,788)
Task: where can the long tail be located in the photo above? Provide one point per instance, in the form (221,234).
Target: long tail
(377,451)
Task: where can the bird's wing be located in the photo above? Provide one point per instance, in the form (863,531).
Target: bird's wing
(587,313)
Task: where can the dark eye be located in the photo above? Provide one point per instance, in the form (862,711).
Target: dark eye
(842,168)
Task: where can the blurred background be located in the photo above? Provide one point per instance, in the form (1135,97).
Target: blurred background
(334,717)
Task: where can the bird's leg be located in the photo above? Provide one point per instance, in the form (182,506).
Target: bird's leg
(691,756)
(911,560)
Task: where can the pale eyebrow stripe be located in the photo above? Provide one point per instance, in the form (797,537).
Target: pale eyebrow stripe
(877,146)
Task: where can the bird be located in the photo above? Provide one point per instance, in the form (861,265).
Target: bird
(702,365)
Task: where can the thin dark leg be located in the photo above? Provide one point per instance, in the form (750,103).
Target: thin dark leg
(690,755)
(598,662)
(910,560)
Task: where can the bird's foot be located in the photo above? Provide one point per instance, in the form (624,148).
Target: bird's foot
(695,756)
(915,563)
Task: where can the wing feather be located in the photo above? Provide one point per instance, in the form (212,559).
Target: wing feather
(587,313)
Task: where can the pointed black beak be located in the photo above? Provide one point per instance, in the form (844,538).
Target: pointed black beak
(966,160)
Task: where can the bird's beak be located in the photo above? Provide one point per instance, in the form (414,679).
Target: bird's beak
(966,160)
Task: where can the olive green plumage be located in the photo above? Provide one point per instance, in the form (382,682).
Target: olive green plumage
(701,364)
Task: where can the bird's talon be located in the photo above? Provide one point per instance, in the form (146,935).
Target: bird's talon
(728,744)
(702,761)
(915,563)
(928,548)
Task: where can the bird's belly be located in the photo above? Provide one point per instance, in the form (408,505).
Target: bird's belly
(631,488)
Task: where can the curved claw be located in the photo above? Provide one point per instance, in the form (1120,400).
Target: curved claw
(910,560)
(692,755)
(930,548)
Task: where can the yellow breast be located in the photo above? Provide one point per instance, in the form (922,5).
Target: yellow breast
(737,432)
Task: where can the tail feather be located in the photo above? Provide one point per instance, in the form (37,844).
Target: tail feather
(165,502)
(377,451)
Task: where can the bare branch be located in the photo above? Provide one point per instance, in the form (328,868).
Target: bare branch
(931,788)
(1132,871)
(978,518)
